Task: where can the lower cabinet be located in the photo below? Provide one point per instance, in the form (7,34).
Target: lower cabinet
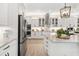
(5,51)
(13,48)
(10,49)
(63,48)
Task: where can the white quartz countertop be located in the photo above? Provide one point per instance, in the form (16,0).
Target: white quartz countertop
(6,35)
(72,39)
(64,41)
(3,44)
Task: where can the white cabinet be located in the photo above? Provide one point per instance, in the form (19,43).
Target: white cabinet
(13,48)
(5,50)
(13,23)
(63,49)
(13,18)
(9,50)
(6,53)
(34,22)
(3,13)
(9,16)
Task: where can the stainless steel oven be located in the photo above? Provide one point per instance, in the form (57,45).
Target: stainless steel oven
(28,30)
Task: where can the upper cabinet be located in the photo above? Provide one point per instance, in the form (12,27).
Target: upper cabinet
(3,13)
(36,22)
(41,22)
(9,14)
(13,15)
(54,21)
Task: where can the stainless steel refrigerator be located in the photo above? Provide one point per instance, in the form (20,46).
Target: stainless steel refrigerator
(22,31)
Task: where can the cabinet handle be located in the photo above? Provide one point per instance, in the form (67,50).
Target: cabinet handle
(6,47)
(7,54)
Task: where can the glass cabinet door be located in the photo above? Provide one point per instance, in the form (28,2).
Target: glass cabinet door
(39,21)
(56,22)
(43,22)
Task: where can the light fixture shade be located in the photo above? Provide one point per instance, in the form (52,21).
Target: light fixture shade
(21,8)
(65,12)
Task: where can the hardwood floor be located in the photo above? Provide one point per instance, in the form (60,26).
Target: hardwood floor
(35,47)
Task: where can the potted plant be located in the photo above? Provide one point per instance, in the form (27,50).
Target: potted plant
(59,33)
(62,34)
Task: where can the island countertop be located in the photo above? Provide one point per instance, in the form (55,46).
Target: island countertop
(73,39)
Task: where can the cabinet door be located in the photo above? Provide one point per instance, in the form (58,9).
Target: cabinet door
(13,23)
(5,54)
(5,51)
(63,49)
(40,22)
(3,13)
(10,49)
(13,48)
(13,18)
(43,22)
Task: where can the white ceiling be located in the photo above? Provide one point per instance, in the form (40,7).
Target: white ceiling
(32,8)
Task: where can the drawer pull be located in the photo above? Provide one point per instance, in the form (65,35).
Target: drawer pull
(6,47)
(7,54)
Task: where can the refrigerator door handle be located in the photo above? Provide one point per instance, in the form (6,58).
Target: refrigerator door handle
(23,41)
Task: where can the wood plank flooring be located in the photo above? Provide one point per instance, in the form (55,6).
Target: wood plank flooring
(35,47)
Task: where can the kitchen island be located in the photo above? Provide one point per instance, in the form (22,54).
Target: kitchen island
(63,47)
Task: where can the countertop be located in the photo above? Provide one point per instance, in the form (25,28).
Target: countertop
(73,39)
(6,35)
(3,44)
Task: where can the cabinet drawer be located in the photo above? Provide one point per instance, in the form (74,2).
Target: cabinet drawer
(13,48)
(4,49)
(10,49)
(6,53)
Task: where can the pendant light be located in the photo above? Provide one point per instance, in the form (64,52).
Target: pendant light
(65,12)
